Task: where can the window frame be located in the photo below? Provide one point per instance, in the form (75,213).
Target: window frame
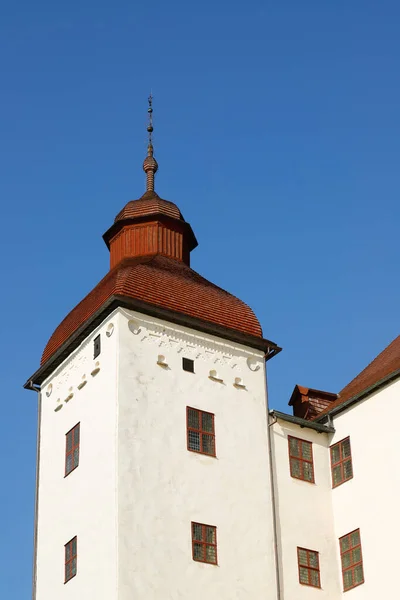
(73,448)
(341,462)
(301,460)
(352,566)
(204,543)
(68,562)
(309,567)
(201,432)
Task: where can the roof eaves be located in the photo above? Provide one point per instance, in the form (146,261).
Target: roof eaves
(269,348)
(302,422)
(358,397)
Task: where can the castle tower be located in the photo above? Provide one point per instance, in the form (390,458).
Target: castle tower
(153,474)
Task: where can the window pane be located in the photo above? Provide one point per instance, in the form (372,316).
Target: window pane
(194,440)
(193,418)
(302,554)
(314,575)
(67,571)
(295,467)
(308,471)
(198,551)
(337,475)
(207,420)
(346,448)
(358,574)
(303,573)
(67,552)
(294,447)
(335,454)
(313,559)
(76,457)
(210,535)
(355,538)
(208,443)
(356,555)
(211,555)
(73,568)
(197,531)
(76,435)
(348,469)
(73,543)
(68,464)
(306,450)
(69,441)
(347,580)
(345,543)
(346,560)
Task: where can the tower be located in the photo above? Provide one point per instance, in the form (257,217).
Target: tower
(153,474)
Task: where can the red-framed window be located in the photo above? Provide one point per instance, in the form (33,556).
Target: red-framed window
(351,556)
(71,557)
(308,561)
(200,431)
(72,449)
(341,463)
(301,459)
(204,543)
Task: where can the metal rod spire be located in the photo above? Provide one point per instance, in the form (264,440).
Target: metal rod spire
(150,165)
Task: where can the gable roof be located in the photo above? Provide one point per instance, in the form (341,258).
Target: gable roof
(385,364)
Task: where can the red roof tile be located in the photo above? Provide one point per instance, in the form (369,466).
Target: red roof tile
(386,363)
(165,283)
(149,204)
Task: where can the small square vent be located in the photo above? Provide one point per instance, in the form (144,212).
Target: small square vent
(188,365)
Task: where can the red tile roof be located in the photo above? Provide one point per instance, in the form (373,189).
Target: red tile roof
(386,363)
(149,204)
(162,282)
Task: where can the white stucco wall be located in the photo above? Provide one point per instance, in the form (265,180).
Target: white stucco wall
(304,514)
(163,486)
(137,488)
(370,501)
(83,504)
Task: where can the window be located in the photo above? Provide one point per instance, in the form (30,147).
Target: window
(341,465)
(308,561)
(352,566)
(96,346)
(301,459)
(72,449)
(188,365)
(70,559)
(200,431)
(204,543)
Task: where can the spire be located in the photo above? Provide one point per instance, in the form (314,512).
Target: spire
(150,165)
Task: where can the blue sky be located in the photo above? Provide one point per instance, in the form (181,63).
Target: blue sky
(277,134)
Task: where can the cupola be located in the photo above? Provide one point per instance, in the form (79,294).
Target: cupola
(150,225)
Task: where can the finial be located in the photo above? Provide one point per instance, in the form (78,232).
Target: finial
(150,165)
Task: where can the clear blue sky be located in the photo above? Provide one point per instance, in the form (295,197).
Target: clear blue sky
(277,134)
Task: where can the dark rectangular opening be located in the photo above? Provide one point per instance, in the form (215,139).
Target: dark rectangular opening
(96,346)
(188,365)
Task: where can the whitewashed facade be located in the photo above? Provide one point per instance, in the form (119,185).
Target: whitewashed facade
(316,515)
(137,488)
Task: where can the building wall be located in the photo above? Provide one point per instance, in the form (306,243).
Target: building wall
(83,504)
(163,486)
(304,514)
(370,501)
